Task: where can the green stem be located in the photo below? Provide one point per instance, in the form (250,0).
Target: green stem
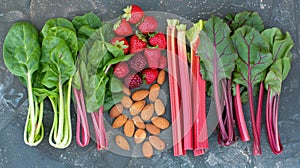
(53,132)
(60,113)
(29,139)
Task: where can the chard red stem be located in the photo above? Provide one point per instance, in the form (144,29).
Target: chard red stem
(259,108)
(240,116)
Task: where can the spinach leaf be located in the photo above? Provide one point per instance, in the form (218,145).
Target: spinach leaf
(56,22)
(111,99)
(115,85)
(89,19)
(21,53)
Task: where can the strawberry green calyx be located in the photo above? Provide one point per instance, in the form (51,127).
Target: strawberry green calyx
(127,13)
(141,36)
(117,24)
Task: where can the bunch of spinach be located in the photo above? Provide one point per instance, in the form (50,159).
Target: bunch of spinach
(59,51)
(85,25)
(280,46)
(218,61)
(95,78)
(21,53)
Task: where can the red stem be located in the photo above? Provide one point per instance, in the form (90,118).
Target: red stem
(99,129)
(82,128)
(174,92)
(185,88)
(240,116)
(259,108)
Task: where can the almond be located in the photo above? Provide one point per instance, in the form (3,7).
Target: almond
(126,90)
(152,129)
(139,136)
(137,107)
(140,95)
(119,121)
(126,102)
(154,92)
(147,149)
(161,77)
(138,122)
(147,112)
(122,142)
(159,107)
(129,128)
(157,143)
(116,110)
(160,122)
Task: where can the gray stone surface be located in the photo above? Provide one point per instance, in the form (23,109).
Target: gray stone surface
(13,105)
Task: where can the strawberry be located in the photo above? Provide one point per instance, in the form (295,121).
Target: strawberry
(122,28)
(152,55)
(133,14)
(137,62)
(137,43)
(157,39)
(121,43)
(121,70)
(148,25)
(132,81)
(162,62)
(150,75)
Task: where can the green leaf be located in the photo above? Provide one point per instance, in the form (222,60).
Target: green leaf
(112,99)
(115,85)
(217,53)
(104,33)
(21,49)
(247,18)
(254,56)
(118,59)
(57,22)
(86,31)
(89,19)
(114,50)
(68,35)
(57,59)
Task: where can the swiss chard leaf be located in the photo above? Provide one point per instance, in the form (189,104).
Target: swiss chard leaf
(89,19)
(217,53)
(254,56)
(115,85)
(280,45)
(56,22)
(246,18)
(21,50)
(57,61)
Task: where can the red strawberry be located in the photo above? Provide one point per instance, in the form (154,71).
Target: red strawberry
(122,28)
(148,25)
(121,43)
(133,14)
(133,81)
(121,70)
(152,55)
(137,43)
(150,75)
(137,62)
(158,39)
(162,62)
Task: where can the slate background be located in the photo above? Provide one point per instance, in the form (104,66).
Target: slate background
(284,14)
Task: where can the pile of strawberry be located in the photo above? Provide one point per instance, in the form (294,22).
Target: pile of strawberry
(146,45)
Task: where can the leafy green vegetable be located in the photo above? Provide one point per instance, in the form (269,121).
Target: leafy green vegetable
(246,18)
(218,57)
(21,53)
(254,58)
(56,22)
(89,19)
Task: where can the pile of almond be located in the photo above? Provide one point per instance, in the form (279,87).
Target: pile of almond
(142,118)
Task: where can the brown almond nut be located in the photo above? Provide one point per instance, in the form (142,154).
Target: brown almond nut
(147,112)
(137,107)
(161,77)
(126,90)
(147,149)
(122,142)
(159,107)
(119,121)
(129,128)
(140,95)
(160,122)
(152,129)
(139,136)
(154,92)
(157,143)
(126,102)
(138,122)
(116,110)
